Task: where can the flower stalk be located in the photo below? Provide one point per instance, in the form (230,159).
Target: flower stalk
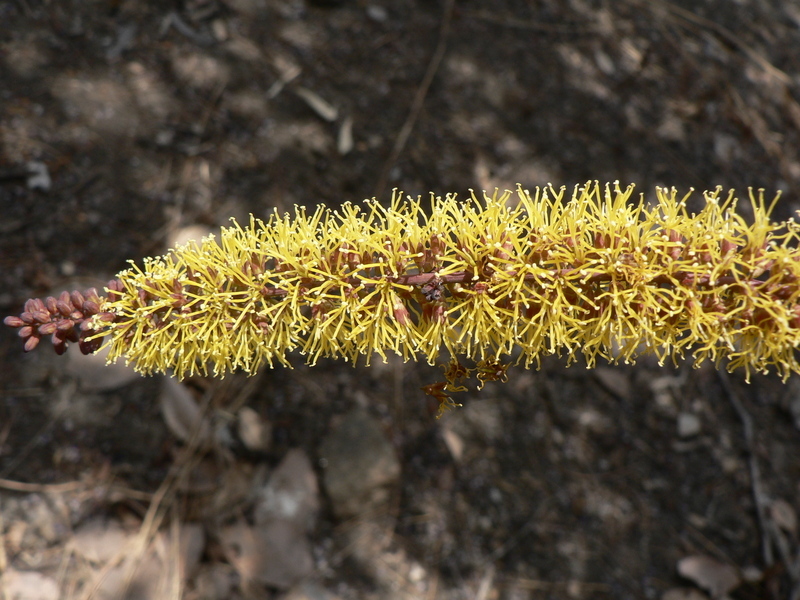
(503,279)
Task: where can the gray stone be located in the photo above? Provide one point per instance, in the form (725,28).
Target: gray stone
(309,590)
(360,465)
(276,554)
(291,494)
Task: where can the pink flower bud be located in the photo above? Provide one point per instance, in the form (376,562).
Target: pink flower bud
(726,247)
(14,321)
(51,304)
(65,308)
(77,298)
(31,343)
(90,307)
(42,316)
(64,325)
(48,328)
(401,313)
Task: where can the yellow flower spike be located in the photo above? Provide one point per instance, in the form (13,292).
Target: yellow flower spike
(504,277)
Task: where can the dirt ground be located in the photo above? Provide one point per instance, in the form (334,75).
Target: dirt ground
(123,122)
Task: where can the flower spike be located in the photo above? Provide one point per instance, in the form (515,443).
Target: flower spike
(506,278)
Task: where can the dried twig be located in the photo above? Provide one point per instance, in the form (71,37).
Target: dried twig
(752,463)
(160,504)
(419,99)
(771,535)
(681,14)
(71,486)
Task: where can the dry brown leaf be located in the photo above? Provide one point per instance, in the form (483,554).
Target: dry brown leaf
(99,540)
(255,432)
(715,577)
(181,413)
(614,380)
(784,516)
(94,374)
(276,554)
(315,102)
(150,580)
(454,443)
(344,141)
(683,594)
(191,543)
(162,568)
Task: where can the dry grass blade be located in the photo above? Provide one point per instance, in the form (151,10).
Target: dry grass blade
(419,99)
(681,14)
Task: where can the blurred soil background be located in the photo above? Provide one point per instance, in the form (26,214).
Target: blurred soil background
(123,123)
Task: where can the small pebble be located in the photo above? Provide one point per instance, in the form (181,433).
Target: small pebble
(688,425)
(377,13)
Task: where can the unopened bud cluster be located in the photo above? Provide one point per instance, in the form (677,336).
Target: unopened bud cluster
(506,278)
(67,318)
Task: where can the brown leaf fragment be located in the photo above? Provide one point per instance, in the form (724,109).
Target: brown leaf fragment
(276,554)
(615,381)
(784,516)
(683,594)
(315,102)
(706,572)
(182,413)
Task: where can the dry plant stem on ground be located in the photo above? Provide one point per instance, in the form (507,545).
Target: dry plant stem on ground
(506,278)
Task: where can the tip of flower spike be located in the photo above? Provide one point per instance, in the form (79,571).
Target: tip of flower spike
(66,319)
